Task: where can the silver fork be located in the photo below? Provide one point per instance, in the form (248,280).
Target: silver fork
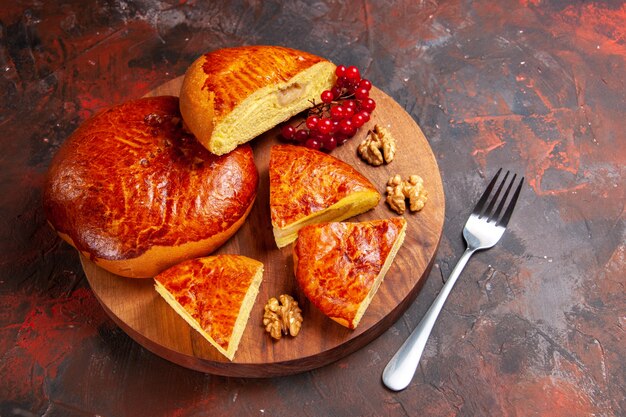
(483,230)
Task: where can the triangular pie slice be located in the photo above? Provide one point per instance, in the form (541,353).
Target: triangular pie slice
(340,266)
(214,295)
(309,186)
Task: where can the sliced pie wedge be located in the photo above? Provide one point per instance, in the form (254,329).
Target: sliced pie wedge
(309,186)
(340,266)
(214,295)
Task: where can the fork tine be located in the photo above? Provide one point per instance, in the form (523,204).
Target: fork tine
(489,211)
(509,210)
(498,212)
(483,198)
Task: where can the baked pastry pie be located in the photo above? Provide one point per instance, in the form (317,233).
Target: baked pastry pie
(215,295)
(309,186)
(340,266)
(136,193)
(232,95)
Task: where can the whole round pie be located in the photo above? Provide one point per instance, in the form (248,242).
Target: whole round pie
(136,193)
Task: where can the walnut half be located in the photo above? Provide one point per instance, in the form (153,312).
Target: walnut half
(282,318)
(378,147)
(413,189)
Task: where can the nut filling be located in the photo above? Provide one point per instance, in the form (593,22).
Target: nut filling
(399,191)
(284,317)
(378,147)
(289,94)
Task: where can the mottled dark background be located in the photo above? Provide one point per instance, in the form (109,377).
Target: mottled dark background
(535,326)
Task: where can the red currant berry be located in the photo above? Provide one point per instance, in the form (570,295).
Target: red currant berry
(315,134)
(342,82)
(340,71)
(335,127)
(365,84)
(347,128)
(358,120)
(337,112)
(330,143)
(341,139)
(353,74)
(325,126)
(312,144)
(366,115)
(336,92)
(287,132)
(327,96)
(368,105)
(311,122)
(361,93)
(322,137)
(301,135)
(349,104)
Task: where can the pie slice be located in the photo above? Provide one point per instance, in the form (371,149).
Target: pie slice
(309,186)
(214,295)
(230,96)
(339,266)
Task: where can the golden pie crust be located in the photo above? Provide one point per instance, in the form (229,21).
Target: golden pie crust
(339,266)
(308,186)
(136,193)
(215,295)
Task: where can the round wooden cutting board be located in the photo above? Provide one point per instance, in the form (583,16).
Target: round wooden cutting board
(141,312)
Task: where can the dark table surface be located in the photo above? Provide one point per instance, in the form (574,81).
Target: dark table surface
(534,327)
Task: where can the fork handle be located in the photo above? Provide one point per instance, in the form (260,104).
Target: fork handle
(400,370)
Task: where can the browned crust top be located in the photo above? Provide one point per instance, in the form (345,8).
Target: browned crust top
(131,178)
(304,181)
(337,263)
(232,74)
(212,290)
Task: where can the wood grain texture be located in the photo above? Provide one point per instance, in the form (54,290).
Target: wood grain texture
(140,311)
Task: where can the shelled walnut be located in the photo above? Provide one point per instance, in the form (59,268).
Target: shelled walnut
(284,317)
(378,147)
(413,189)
